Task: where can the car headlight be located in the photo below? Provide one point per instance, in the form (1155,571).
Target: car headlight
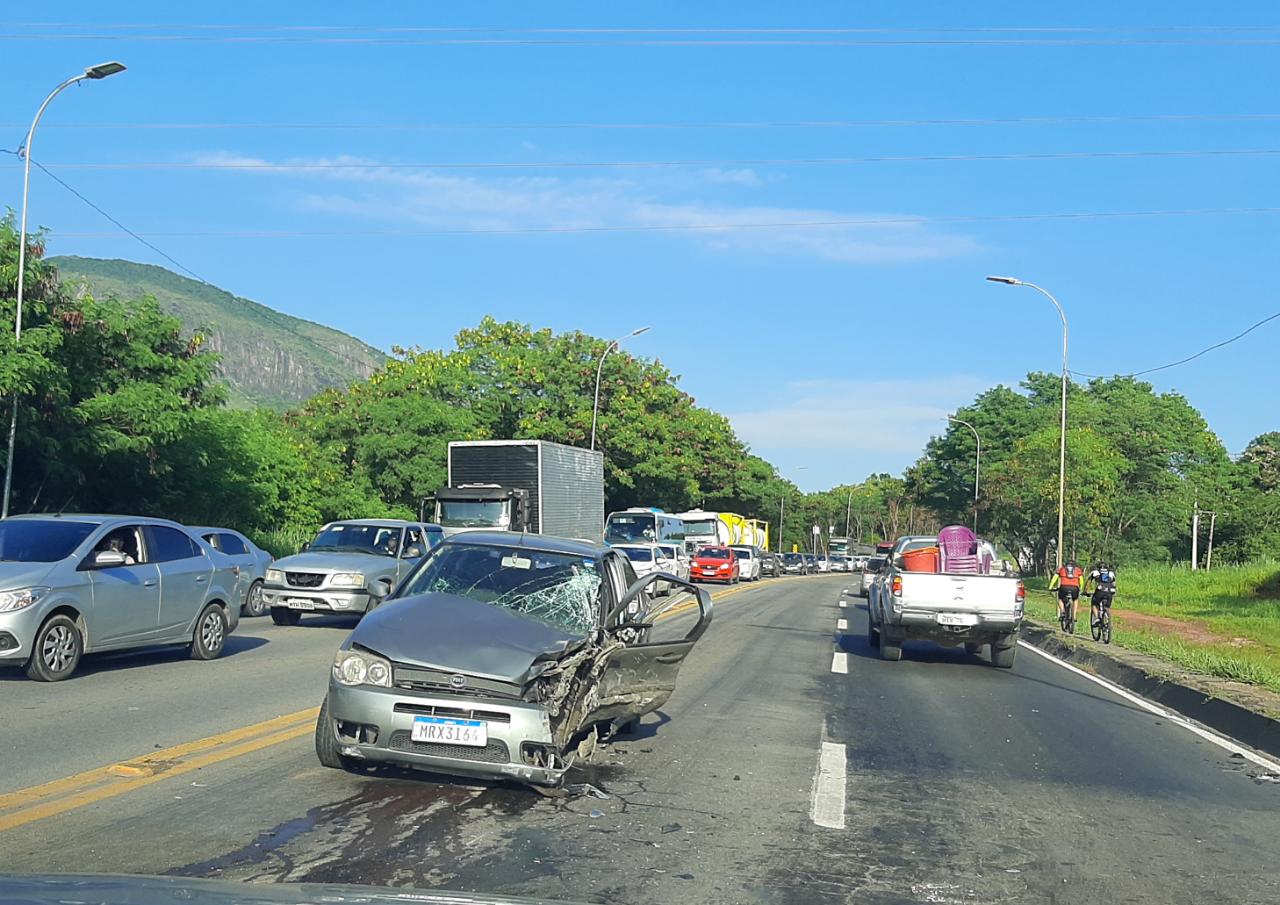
(355,667)
(346,580)
(10,601)
(275,576)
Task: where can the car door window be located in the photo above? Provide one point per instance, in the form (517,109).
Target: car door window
(412,544)
(231,545)
(212,540)
(123,540)
(169,544)
(435,536)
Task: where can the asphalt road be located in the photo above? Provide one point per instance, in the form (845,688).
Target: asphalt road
(791,766)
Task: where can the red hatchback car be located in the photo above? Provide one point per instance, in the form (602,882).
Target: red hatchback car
(715,564)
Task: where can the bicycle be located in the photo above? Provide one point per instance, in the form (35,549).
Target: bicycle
(1067,619)
(1100,627)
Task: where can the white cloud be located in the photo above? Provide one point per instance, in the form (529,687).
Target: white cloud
(890,417)
(444,199)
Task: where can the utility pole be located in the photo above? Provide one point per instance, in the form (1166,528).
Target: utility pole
(848,511)
(1195,536)
(782,509)
(1208,560)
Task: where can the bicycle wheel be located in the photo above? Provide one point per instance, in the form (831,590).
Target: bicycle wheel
(1095,625)
(1106,625)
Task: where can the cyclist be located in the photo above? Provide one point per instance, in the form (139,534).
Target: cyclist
(1067,581)
(1101,586)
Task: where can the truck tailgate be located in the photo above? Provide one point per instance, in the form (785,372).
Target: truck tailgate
(959,593)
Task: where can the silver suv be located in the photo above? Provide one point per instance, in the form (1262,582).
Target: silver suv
(342,569)
(76,584)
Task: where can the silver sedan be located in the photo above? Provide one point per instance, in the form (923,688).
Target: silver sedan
(252,561)
(76,584)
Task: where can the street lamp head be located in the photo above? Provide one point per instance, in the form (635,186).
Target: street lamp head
(638,331)
(1008,281)
(102,70)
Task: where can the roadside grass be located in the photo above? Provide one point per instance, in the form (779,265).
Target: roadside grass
(1231,618)
(280,542)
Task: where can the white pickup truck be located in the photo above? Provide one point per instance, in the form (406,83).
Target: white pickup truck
(947,608)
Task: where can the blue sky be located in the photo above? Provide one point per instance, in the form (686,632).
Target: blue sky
(836,349)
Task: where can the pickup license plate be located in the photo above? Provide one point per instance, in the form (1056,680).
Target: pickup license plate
(444,731)
(957,619)
(300,603)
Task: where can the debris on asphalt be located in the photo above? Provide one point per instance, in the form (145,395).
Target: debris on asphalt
(671,828)
(596,814)
(586,788)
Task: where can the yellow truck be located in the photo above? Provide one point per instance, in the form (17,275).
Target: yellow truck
(703,528)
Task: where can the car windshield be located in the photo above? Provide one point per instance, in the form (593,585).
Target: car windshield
(700,529)
(626,528)
(638,554)
(473,513)
(713,553)
(556,589)
(348,538)
(743,552)
(792,557)
(41,540)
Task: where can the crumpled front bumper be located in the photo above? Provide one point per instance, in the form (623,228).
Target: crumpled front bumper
(391,711)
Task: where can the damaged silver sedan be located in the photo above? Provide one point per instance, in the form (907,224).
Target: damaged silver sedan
(503,655)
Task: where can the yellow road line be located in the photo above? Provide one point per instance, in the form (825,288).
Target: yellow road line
(38,802)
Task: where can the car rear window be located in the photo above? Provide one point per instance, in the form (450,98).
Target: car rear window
(638,554)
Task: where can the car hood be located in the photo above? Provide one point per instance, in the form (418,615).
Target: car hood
(444,631)
(14,575)
(335,562)
(53,889)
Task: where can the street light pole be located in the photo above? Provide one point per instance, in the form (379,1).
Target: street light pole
(595,408)
(101,71)
(977,467)
(1062,442)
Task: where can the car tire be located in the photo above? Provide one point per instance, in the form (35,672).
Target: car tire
(972,648)
(890,648)
(1003,651)
(210,636)
(327,743)
(56,650)
(253,603)
(873,633)
(281,615)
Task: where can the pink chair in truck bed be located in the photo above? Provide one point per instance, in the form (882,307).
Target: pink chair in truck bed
(959,548)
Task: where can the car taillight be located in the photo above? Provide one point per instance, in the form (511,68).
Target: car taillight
(1021,596)
(896,586)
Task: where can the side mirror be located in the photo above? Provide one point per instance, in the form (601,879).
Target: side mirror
(306,545)
(106,559)
(382,587)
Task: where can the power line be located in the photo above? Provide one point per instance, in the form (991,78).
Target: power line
(745,124)
(671,164)
(695,227)
(272,313)
(1182,361)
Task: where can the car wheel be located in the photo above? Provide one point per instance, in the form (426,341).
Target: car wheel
(56,651)
(281,615)
(873,633)
(1002,657)
(210,635)
(253,602)
(327,743)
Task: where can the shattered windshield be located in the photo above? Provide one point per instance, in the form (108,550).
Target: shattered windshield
(556,589)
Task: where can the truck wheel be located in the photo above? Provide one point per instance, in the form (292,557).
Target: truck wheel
(873,633)
(890,649)
(327,742)
(1002,657)
(281,615)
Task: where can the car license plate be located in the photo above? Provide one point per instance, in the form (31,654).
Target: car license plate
(300,603)
(444,731)
(957,619)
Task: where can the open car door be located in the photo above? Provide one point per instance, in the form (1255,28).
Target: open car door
(640,676)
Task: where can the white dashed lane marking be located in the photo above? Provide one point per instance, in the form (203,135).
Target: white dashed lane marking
(842,625)
(840,662)
(827,800)
(842,604)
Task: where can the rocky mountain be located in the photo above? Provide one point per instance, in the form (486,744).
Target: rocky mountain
(268,358)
